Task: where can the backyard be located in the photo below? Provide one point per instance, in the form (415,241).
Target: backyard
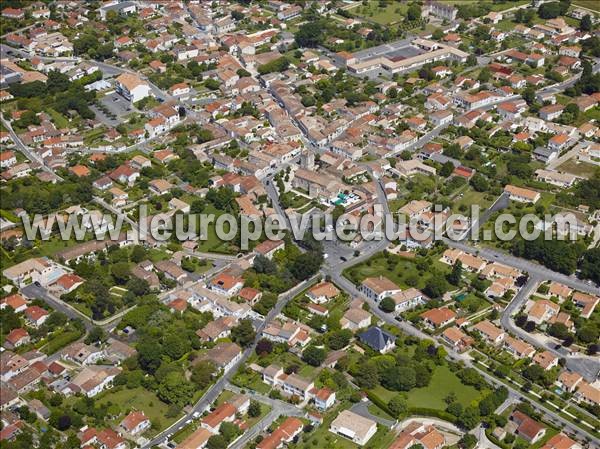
(138,399)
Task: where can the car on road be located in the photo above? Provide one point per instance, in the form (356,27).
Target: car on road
(343,259)
(37,284)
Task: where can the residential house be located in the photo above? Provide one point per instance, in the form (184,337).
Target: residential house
(438,318)
(356,428)
(378,339)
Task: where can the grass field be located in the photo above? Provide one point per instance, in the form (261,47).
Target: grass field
(471,197)
(402,271)
(578,168)
(590,4)
(392,13)
(139,399)
(212,243)
(60,121)
(442,383)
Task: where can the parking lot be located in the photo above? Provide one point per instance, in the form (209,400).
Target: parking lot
(116,104)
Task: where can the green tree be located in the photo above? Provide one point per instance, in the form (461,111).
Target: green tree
(243,334)
(310,34)
(217,442)
(313,355)
(387,305)
(339,339)
(96,335)
(175,389)
(254,409)
(413,12)
(455,276)
(202,373)
(586,23)
(398,406)
(446,169)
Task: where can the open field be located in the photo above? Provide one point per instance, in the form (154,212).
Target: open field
(139,399)
(590,4)
(442,383)
(404,273)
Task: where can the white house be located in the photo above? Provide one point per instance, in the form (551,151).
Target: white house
(132,87)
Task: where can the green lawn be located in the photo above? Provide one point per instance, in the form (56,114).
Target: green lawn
(400,272)
(590,4)
(60,121)
(139,399)
(442,383)
(392,13)
(322,438)
(578,168)
(471,197)
(212,243)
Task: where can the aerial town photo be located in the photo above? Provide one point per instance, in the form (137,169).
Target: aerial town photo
(299,224)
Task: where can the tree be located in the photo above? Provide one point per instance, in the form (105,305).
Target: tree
(470,418)
(175,345)
(217,442)
(558,330)
(306,264)
(387,305)
(549,10)
(413,12)
(264,347)
(149,354)
(313,355)
(590,265)
(534,372)
(309,34)
(96,335)
(455,275)
(468,441)
(367,376)
(229,431)
(175,389)
(436,287)
(586,23)
(588,333)
(398,406)
(484,75)
(244,333)
(254,409)
(202,373)
(399,378)
(437,34)
(339,339)
(446,169)
(479,183)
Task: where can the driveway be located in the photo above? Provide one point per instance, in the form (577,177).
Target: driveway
(362,409)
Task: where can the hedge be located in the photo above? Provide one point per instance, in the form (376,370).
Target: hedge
(423,411)
(61,341)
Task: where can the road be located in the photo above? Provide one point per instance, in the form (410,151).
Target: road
(215,390)
(531,267)
(409,329)
(587,366)
(27,152)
